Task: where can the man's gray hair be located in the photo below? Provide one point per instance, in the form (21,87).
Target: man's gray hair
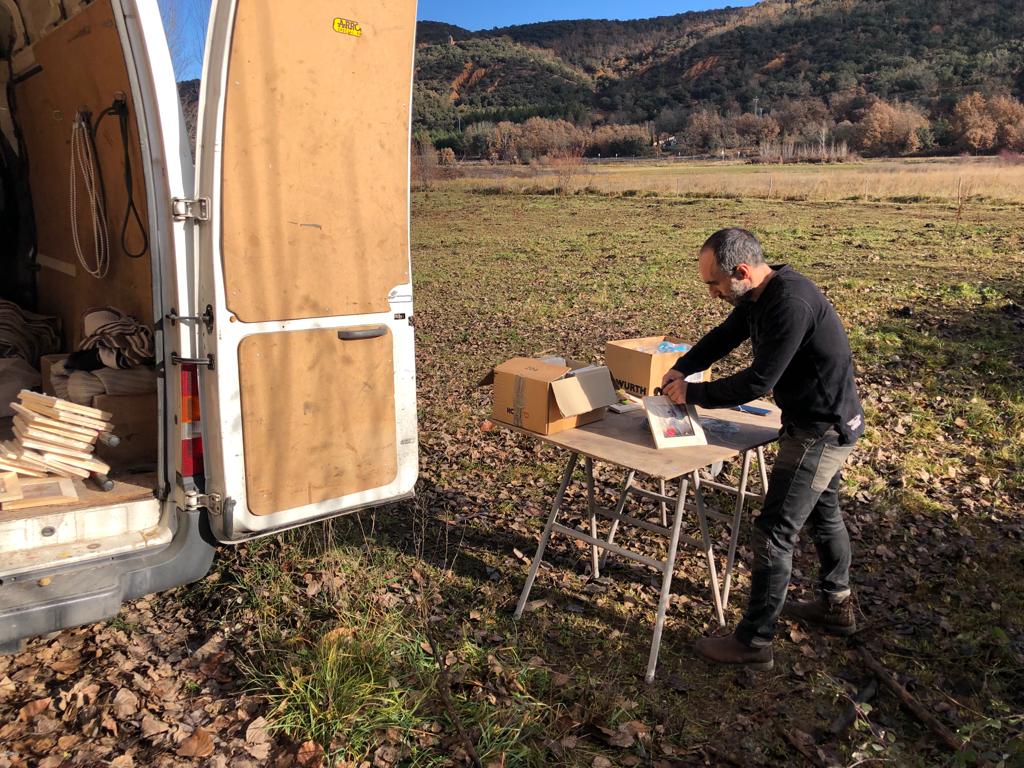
(732,247)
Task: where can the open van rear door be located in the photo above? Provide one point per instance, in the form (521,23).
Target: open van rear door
(307,380)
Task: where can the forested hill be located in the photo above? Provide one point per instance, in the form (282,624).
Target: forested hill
(928,53)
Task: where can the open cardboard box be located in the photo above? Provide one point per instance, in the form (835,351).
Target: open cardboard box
(637,367)
(551,395)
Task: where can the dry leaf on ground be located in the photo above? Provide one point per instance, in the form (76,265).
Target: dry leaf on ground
(310,755)
(199,744)
(34,708)
(125,703)
(151,726)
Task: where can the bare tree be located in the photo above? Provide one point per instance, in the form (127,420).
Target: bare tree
(185,23)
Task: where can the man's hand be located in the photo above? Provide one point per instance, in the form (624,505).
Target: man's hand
(672,375)
(675,390)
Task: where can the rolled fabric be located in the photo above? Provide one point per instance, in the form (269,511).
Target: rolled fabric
(122,341)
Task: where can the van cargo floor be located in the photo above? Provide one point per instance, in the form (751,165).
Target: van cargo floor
(127,487)
(99,524)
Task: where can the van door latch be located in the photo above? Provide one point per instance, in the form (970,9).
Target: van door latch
(177,359)
(206,317)
(184,208)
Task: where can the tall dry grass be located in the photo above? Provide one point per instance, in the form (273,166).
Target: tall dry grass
(947,179)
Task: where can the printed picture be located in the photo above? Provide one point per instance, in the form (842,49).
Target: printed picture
(673,426)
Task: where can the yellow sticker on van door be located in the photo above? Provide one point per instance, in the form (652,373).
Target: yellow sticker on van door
(348,27)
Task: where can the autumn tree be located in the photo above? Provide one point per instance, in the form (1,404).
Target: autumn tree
(507,136)
(1008,114)
(891,129)
(541,136)
(752,130)
(705,129)
(973,123)
(616,140)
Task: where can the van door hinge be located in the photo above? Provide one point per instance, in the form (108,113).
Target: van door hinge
(183,208)
(212,502)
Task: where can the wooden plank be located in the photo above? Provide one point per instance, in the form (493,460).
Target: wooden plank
(51,436)
(9,465)
(10,487)
(64,405)
(45,447)
(58,468)
(91,464)
(65,417)
(38,462)
(14,452)
(37,419)
(40,492)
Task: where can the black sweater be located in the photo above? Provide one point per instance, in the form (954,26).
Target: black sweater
(800,351)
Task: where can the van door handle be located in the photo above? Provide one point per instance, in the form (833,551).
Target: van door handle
(363,333)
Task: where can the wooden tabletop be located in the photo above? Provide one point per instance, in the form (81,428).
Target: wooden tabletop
(625,439)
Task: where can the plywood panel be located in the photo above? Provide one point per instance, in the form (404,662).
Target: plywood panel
(318,417)
(82,67)
(315,163)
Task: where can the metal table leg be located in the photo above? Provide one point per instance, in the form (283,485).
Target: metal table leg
(619,507)
(595,566)
(546,536)
(668,569)
(763,469)
(702,518)
(737,519)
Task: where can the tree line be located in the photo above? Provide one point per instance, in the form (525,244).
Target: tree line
(855,122)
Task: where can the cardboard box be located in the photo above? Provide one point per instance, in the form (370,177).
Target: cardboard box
(546,396)
(637,367)
(135,423)
(45,363)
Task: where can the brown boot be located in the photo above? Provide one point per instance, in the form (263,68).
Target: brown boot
(729,650)
(833,616)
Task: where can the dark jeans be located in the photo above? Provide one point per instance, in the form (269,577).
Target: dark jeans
(804,488)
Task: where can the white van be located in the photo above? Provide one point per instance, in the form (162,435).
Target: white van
(275,274)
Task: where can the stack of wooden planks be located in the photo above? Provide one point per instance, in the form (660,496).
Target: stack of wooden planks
(54,436)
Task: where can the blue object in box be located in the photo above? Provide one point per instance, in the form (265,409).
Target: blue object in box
(668,346)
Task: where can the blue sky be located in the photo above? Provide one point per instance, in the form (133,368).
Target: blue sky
(474,14)
(185,20)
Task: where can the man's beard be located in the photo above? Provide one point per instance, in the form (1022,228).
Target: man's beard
(739,292)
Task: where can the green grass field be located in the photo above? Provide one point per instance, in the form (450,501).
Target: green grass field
(386,638)
(340,619)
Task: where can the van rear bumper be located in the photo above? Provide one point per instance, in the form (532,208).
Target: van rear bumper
(93,593)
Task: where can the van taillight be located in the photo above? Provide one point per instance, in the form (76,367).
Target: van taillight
(191,425)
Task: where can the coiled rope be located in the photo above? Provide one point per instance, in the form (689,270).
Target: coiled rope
(85,167)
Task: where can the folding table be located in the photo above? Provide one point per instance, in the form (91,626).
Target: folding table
(624,439)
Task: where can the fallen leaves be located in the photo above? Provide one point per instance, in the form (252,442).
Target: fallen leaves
(199,744)
(152,727)
(34,708)
(310,755)
(125,703)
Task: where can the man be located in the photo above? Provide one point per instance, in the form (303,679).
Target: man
(801,353)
